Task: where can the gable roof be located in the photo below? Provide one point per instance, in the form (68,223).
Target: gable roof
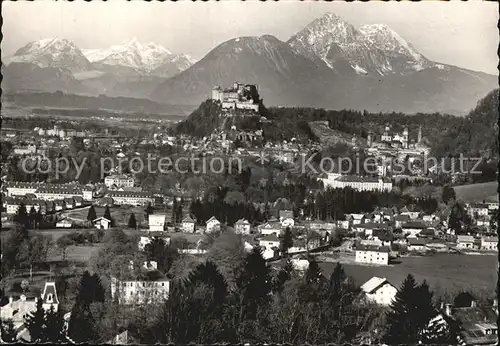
(188,219)
(50,289)
(373,284)
(212,219)
(101,218)
(465,238)
(414,225)
(416,241)
(271,237)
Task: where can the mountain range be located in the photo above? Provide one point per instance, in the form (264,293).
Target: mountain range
(329,63)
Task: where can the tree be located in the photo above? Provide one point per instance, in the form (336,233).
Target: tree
(21,217)
(227,252)
(82,326)
(286,242)
(91,215)
(148,210)
(448,194)
(62,244)
(410,313)
(253,284)
(107,213)
(35,322)
(54,322)
(132,222)
(7,331)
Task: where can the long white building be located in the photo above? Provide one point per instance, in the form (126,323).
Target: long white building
(337,181)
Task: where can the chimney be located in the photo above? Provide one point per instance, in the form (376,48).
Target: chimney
(495,302)
(473,304)
(448,310)
(11,300)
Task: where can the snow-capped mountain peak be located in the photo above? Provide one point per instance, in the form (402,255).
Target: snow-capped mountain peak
(133,54)
(372,49)
(387,39)
(52,52)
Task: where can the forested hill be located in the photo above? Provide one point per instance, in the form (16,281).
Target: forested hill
(477,134)
(446,134)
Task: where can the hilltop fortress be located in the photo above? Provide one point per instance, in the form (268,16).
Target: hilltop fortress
(240,99)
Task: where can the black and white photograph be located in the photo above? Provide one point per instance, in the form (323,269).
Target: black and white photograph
(249,172)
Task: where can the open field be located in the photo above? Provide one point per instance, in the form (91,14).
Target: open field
(443,272)
(119,214)
(478,192)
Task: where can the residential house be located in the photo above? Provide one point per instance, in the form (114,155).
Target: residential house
(78,201)
(270,228)
(489,243)
(69,202)
(369,227)
(102,223)
(465,242)
(145,240)
(269,241)
(242,226)
(140,292)
(318,225)
(157,222)
(16,310)
(213,225)
(413,215)
(300,264)
(372,254)
(87,193)
(65,223)
(413,228)
(401,219)
(286,218)
(416,244)
(188,224)
(59,205)
(355,219)
(379,291)
(477,209)
(385,237)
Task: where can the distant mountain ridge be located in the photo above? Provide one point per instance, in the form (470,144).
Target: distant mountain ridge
(67,68)
(328,64)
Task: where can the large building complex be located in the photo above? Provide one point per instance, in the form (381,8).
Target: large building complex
(357,182)
(238,97)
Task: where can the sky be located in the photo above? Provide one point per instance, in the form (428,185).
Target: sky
(464,34)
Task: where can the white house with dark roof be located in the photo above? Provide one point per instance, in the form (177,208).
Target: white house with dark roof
(213,225)
(188,224)
(102,223)
(157,222)
(416,244)
(489,243)
(372,254)
(269,241)
(413,228)
(242,226)
(379,291)
(465,242)
(270,228)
